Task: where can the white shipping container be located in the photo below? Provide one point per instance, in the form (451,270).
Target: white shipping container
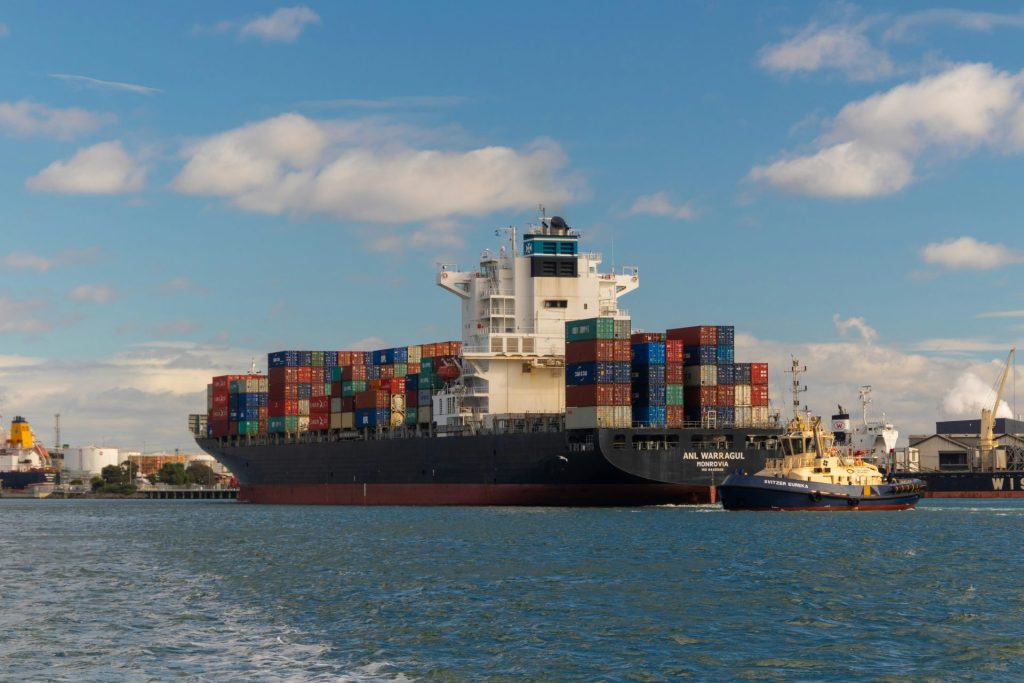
(700,375)
(759,415)
(304,421)
(742,395)
(415,354)
(304,409)
(589,417)
(335,407)
(744,416)
(622,416)
(263,385)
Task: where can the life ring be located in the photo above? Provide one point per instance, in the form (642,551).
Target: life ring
(634,278)
(849,471)
(444,276)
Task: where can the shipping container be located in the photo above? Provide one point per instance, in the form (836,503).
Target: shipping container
(674,395)
(426,415)
(372,417)
(759,395)
(648,353)
(742,373)
(700,355)
(743,395)
(590,395)
(759,373)
(700,396)
(675,373)
(652,395)
(725,354)
(759,415)
(320,404)
(725,395)
(647,375)
(280,359)
(726,373)
(700,375)
(590,350)
(726,335)
(674,351)
(645,337)
(698,335)
(623,327)
(590,328)
(674,416)
(374,398)
(649,416)
(590,373)
(590,417)
(622,350)
(319,422)
(744,416)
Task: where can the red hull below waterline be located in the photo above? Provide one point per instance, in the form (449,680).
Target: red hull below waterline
(476,494)
(974,494)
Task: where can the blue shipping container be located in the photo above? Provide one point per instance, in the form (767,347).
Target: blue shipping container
(648,396)
(282,359)
(622,372)
(725,354)
(425,397)
(700,355)
(304,391)
(412,383)
(725,414)
(648,353)
(726,335)
(649,416)
(372,417)
(305,358)
(742,373)
(331,359)
(595,372)
(727,373)
(647,374)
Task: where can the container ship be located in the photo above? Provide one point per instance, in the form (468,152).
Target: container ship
(548,398)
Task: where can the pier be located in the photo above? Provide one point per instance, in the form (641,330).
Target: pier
(185,493)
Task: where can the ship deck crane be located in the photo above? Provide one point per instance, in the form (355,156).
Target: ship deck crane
(986,431)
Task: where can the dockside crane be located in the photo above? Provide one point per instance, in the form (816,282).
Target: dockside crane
(986,433)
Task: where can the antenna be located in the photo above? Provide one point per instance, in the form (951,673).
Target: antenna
(510,233)
(252,366)
(865,399)
(56,433)
(796,370)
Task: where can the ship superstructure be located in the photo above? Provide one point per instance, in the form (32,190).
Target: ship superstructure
(872,440)
(514,310)
(24,461)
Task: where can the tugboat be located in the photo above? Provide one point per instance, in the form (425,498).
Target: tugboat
(813,474)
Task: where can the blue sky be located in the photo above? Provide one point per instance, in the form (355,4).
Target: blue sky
(189,185)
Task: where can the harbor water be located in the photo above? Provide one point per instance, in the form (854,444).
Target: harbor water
(100,590)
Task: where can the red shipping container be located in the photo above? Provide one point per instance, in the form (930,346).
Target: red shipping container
(345,358)
(674,416)
(697,335)
(758,373)
(221,399)
(590,395)
(264,413)
(319,404)
(622,351)
(232,429)
(219,413)
(387,371)
(412,369)
(645,337)
(374,398)
(283,392)
(674,351)
(348,404)
(263,426)
(282,376)
(396,385)
(291,406)
(589,351)
(725,395)
(223,382)
(622,394)
(335,389)
(674,373)
(759,395)
(700,396)
(304,375)
(319,422)
(275,407)
(354,372)
(316,389)
(219,427)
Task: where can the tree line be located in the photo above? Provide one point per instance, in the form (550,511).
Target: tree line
(120,478)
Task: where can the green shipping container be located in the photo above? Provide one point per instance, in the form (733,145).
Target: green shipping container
(336,373)
(674,394)
(351,387)
(317,359)
(426,366)
(589,329)
(410,416)
(275,425)
(401,369)
(291,424)
(249,427)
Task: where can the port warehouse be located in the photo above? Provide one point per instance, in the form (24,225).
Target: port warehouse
(954,447)
(613,377)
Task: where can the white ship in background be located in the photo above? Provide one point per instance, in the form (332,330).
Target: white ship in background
(874,441)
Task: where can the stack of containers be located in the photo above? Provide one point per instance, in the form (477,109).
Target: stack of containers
(700,371)
(759,393)
(674,384)
(236,405)
(597,373)
(647,372)
(725,356)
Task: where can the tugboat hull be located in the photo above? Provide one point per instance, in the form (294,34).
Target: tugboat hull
(754,492)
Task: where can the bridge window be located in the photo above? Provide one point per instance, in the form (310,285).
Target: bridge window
(952,460)
(556,303)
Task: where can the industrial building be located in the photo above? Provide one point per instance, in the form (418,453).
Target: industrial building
(954,446)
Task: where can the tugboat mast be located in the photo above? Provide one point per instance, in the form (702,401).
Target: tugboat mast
(796,370)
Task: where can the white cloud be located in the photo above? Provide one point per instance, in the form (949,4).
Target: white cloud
(180,284)
(659,204)
(24,260)
(285,25)
(101,169)
(1002,314)
(93,294)
(967,253)
(959,345)
(872,145)
(970,394)
(366,171)
(27,118)
(135,398)
(22,317)
(176,328)
(107,85)
(902,27)
(858,325)
(844,48)
(436,234)
(399,102)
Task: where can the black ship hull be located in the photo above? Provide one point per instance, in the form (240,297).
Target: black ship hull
(601,467)
(18,480)
(999,484)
